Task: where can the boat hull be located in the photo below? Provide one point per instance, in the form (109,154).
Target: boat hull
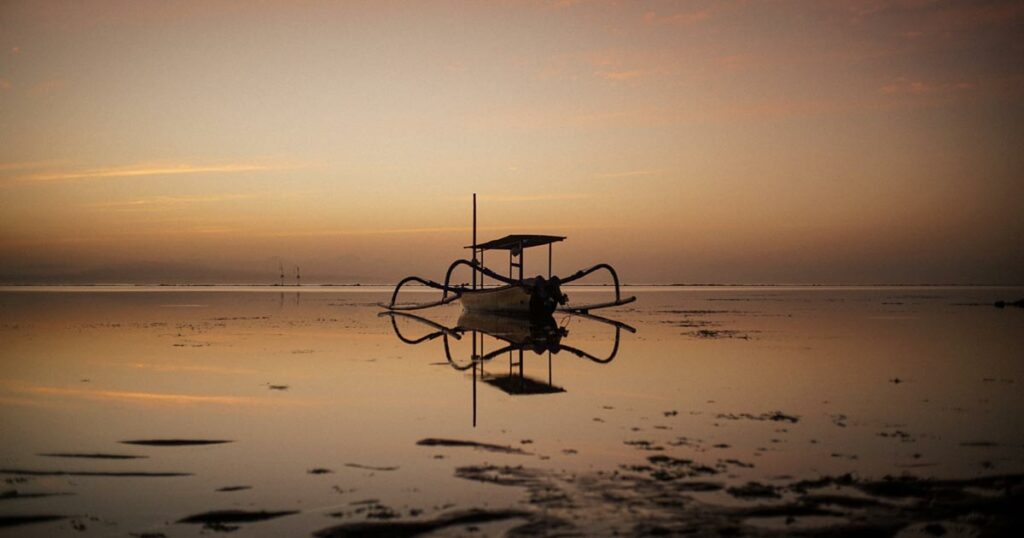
(508,300)
(526,332)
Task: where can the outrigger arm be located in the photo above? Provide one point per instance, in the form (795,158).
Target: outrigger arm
(452,293)
(429,283)
(588,307)
(445,332)
(446,287)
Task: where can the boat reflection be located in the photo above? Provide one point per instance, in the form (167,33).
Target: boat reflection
(515,337)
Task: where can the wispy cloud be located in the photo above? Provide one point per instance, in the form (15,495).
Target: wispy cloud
(677,19)
(631,173)
(621,75)
(434,230)
(364,231)
(156,202)
(554,196)
(143,170)
(905,86)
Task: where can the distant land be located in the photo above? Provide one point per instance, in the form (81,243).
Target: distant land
(197,274)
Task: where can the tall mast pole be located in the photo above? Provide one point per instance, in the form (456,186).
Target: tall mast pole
(474,241)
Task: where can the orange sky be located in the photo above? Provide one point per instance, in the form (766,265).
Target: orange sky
(835,141)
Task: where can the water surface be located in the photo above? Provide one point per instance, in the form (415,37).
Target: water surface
(142,410)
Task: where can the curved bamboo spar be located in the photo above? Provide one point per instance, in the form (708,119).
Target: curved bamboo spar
(477,267)
(441,330)
(615,278)
(446,288)
(428,283)
(445,332)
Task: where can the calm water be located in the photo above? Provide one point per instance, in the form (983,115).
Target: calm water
(765,385)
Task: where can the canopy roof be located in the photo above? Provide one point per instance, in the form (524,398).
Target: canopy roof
(515,241)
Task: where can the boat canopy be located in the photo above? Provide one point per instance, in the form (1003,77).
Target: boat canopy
(517,241)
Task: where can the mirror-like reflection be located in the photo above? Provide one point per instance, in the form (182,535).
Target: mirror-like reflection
(516,337)
(765,411)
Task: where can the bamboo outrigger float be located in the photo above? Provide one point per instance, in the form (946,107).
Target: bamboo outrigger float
(536,296)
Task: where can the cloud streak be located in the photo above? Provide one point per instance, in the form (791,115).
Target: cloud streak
(147,170)
(631,173)
(555,196)
(621,75)
(147,204)
(677,19)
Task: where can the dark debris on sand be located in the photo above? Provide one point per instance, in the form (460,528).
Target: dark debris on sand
(643,444)
(372,467)
(224,520)
(719,333)
(97,456)
(754,490)
(419,527)
(15,494)
(34,472)
(175,442)
(14,520)
(370,509)
(774,416)
(233,488)
(504,449)
(656,499)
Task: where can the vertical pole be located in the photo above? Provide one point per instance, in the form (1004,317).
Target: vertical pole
(522,260)
(474,394)
(481,265)
(522,381)
(474,376)
(474,255)
(549,261)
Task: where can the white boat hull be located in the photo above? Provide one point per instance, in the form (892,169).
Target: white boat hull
(503,300)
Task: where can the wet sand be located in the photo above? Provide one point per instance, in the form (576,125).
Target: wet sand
(730,411)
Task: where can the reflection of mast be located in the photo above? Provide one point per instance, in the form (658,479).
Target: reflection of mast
(518,336)
(476,361)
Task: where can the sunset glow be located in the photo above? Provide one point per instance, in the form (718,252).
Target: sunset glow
(845,141)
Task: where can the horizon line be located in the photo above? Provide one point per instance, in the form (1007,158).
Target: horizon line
(389,284)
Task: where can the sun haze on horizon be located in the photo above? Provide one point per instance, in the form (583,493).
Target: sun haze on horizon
(844,141)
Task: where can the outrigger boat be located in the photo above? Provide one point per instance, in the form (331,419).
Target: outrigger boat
(515,295)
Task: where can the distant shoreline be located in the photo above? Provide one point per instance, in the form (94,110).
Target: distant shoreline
(278,287)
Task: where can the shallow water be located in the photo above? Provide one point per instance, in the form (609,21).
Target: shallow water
(767,385)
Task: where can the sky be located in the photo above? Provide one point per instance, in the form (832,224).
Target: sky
(829,142)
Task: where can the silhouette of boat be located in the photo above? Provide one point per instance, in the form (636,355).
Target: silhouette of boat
(515,295)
